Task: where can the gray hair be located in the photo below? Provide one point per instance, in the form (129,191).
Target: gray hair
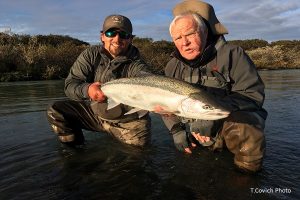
(201,26)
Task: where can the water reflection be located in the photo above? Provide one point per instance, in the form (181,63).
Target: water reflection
(281,80)
(16,97)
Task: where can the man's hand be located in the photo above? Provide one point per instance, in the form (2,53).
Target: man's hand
(203,140)
(95,92)
(200,138)
(160,110)
(181,141)
(203,130)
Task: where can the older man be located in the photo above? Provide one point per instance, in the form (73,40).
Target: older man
(203,58)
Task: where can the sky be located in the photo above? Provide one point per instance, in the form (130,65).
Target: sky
(269,20)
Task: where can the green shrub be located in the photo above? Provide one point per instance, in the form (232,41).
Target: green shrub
(24,57)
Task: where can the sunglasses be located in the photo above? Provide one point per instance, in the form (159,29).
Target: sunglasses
(122,34)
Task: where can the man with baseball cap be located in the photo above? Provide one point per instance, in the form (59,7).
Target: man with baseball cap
(117,21)
(204,58)
(87,108)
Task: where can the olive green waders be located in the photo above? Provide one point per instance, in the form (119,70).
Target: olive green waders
(242,133)
(68,118)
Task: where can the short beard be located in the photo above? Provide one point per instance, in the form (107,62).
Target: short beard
(116,52)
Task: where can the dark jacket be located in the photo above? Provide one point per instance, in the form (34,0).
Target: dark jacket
(96,64)
(226,71)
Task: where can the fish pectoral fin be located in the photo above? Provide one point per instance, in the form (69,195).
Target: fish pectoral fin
(139,111)
(133,111)
(142,113)
(111,104)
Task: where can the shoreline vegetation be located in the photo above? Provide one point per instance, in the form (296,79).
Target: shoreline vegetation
(49,57)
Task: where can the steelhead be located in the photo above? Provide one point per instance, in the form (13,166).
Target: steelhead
(172,95)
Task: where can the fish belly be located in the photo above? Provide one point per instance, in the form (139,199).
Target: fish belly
(144,97)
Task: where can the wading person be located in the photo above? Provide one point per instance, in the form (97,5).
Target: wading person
(87,107)
(203,58)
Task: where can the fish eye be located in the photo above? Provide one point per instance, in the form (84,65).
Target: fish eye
(207,107)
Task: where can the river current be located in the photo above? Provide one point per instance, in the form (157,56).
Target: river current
(34,165)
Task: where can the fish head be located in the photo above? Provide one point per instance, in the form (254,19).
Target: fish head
(202,106)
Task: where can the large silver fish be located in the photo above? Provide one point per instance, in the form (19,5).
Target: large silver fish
(172,95)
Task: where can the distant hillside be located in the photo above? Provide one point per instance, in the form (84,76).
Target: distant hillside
(43,57)
(53,40)
(283,54)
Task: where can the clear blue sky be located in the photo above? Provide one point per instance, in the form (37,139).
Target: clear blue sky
(270,20)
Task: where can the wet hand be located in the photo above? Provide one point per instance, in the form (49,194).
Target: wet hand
(160,110)
(200,138)
(192,140)
(95,92)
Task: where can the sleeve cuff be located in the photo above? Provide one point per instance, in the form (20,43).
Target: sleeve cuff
(84,90)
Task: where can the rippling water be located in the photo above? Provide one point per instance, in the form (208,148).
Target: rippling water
(34,165)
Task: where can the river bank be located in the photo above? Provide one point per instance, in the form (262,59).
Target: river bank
(25,58)
(19,76)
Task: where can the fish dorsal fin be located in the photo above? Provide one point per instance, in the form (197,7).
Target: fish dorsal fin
(111,104)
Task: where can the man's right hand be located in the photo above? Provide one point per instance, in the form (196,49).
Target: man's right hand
(95,92)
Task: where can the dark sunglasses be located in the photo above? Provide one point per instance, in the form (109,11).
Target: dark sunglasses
(122,34)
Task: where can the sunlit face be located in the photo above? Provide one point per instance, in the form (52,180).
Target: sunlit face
(115,45)
(188,40)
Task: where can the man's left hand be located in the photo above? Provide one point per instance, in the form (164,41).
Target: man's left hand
(160,110)
(200,138)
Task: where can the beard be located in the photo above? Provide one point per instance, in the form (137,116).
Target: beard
(117,51)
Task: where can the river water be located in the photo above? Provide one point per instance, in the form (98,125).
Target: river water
(34,165)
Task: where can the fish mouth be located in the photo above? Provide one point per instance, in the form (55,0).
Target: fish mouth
(216,115)
(223,112)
